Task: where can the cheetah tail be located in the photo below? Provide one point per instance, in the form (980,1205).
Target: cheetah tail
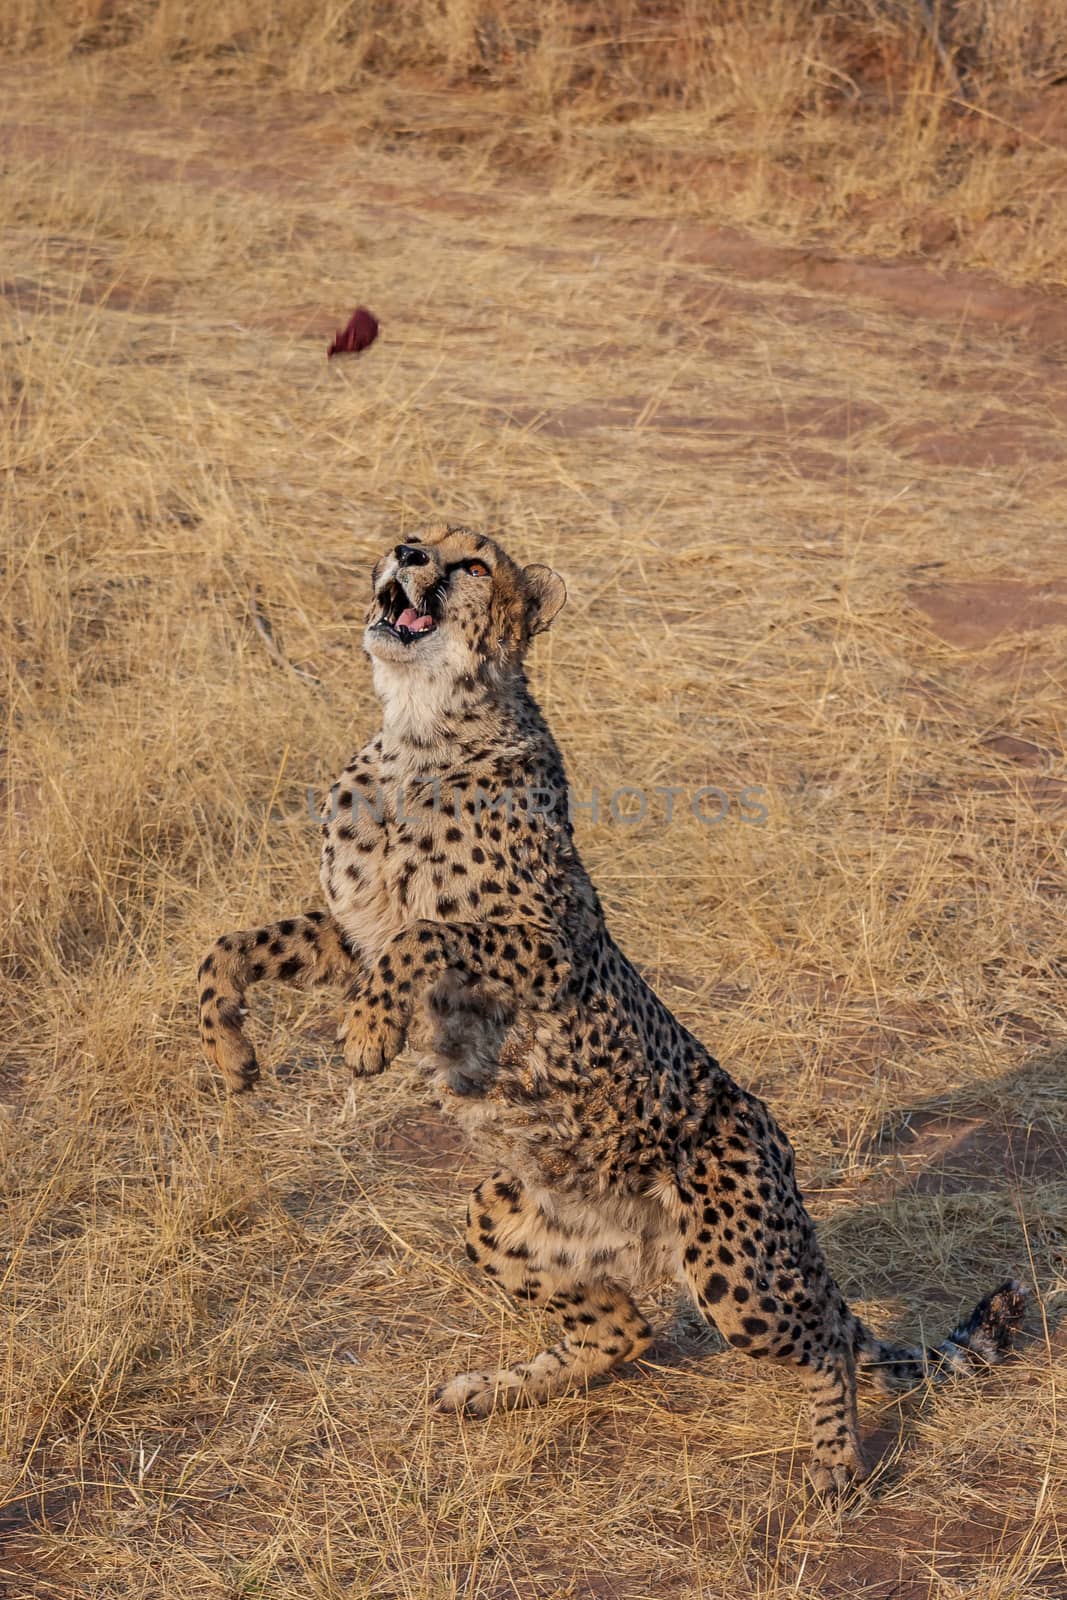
(981,1340)
(308,949)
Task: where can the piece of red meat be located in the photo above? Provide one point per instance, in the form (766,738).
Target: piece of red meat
(359,331)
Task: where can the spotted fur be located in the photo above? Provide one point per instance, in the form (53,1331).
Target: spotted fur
(469,929)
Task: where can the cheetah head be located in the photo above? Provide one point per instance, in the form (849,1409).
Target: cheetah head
(450,603)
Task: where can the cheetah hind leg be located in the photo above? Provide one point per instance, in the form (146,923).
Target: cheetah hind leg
(837,1462)
(308,949)
(805,1324)
(512,1240)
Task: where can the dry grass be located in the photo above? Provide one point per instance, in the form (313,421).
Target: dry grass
(811,546)
(810,121)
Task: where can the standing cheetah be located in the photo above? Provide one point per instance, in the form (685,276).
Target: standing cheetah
(460,920)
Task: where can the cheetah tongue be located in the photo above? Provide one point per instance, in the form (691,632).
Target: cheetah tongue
(411,620)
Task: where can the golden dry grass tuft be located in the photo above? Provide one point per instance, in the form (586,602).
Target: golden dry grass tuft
(814,545)
(874,126)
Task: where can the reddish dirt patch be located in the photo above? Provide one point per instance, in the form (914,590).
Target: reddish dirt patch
(836,421)
(977,612)
(424,1140)
(986,444)
(1022,751)
(903,285)
(567,421)
(888,1561)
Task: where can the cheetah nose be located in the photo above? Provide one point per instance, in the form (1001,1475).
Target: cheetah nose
(409,555)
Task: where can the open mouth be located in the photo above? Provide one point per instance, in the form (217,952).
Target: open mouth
(403,620)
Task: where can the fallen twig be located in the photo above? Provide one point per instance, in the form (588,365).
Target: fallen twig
(263,628)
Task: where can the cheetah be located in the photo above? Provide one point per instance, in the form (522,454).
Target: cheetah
(460,921)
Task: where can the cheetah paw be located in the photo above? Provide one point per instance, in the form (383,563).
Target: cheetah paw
(227,1049)
(471,1394)
(835,1481)
(369,1042)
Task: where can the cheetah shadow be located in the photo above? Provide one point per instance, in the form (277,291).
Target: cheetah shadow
(946,1198)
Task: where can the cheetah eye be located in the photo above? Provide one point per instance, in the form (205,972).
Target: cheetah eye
(477,569)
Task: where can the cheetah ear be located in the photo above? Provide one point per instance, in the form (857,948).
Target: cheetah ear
(546,595)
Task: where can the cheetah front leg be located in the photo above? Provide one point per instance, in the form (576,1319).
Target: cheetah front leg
(511,1239)
(527,962)
(307,949)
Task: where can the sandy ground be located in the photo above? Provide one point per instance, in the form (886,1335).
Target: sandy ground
(810,515)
